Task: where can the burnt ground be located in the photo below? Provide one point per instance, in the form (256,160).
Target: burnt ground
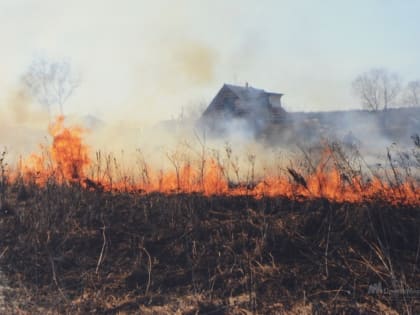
(66,250)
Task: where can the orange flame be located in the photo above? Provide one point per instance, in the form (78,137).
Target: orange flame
(68,151)
(67,160)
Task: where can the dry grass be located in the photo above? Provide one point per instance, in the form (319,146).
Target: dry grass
(70,249)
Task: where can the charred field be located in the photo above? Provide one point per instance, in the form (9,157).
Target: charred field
(80,236)
(66,249)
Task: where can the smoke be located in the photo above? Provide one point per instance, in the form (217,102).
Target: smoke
(181,141)
(241,145)
(23,127)
(22,111)
(244,151)
(196,62)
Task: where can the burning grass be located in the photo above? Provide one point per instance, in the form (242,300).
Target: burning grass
(330,176)
(81,235)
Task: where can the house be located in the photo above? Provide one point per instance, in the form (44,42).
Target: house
(245,107)
(255,113)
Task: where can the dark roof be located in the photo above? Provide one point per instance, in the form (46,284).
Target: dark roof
(248,92)
(253,102)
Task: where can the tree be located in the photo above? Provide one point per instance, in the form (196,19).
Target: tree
(412,93)
(378,89)
(50,82)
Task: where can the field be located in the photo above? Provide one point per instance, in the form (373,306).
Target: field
(79,235)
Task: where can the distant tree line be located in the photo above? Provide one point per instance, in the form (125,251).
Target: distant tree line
(379,89)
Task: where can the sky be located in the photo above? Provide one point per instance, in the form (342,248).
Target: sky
(145,61)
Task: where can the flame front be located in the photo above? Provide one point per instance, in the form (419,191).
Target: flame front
(67,160)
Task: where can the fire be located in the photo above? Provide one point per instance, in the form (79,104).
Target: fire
(187,180)
(67,159)
(68,151)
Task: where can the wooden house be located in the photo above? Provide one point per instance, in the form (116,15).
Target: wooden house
(256,109)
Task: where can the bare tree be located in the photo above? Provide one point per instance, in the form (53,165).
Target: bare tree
(378,89)
(50,82)
(412,93)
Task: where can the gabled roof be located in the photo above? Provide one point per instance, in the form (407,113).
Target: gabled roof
(251,100)
(248,92)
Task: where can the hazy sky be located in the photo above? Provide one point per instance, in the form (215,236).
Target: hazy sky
(145,60)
